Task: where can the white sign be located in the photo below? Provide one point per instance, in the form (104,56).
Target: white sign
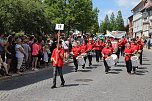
(59,27)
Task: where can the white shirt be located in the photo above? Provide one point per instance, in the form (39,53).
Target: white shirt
(65,44)
(19,54)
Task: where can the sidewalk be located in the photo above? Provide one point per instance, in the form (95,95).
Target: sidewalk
(29,71)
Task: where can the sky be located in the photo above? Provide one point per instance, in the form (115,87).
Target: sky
(109,6)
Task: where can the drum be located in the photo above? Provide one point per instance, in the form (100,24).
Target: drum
(110,61)
(115,58)
(84,54)
(80,60)
(135,61)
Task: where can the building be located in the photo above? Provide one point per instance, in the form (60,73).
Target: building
(130,27)
(137,20)
(147,18)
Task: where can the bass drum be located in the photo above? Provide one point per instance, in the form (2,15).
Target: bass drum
(110,61)
(115,58)
(135,61)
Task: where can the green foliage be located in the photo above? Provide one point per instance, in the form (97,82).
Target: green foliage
(37,16)
(22,15)
(112,22)
(115,24)
(120,22)
(105,25)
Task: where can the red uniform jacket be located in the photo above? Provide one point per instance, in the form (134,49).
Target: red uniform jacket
(135,47)
(60,60)
(123,41)
(129,52)
(83,48)
(76,51)
(141,44)
(107,52)
(97,45)
(119,45)
(90,46)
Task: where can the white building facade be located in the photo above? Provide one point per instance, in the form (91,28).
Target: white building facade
(147,18)
(137,20)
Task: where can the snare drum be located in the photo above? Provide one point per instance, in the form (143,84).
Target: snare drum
(84,54)
(80,60)
(110,61)
(135,61)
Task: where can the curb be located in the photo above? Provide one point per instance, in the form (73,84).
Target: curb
(29,72)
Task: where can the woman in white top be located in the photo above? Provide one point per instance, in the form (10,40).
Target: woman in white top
(65,46)
(19,54)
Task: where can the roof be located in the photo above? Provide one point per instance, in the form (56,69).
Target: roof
(130,17)
(142,1)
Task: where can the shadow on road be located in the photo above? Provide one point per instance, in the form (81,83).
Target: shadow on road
(90,67)
(137,73)
(18,82)
(145,60)
(116,69)
(112,72)
(142,68)
(71,85)
(146,64)
(84,70)
(121,65)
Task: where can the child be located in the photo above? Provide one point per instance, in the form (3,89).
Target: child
(45,55)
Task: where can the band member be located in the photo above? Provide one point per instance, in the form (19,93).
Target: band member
(106,52)
(83,51)
(123,43)
(58,62)
(76,52)
(90,46)
(141,44)
(119,49)
(128,53)
(135,48)
(97,48)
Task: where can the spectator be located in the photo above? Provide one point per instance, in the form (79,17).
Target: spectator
(35,53)
(9,51)
(19,54)
(27,50)
(65,45)
(2,44)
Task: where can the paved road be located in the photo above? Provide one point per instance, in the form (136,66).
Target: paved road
(91,84)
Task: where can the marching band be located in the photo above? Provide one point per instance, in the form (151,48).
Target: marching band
(109,50)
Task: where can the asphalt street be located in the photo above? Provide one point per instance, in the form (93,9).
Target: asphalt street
(89,84)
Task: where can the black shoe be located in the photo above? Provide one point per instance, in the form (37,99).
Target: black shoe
(106,72)
(83,66)
(8,75)
(90,64)
(76,70)
(53,87)
(62,84)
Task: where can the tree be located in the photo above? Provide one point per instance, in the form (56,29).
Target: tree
(84,15)
(119,22)
(23,15)
(105,25)
(112,22)
(95,25)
